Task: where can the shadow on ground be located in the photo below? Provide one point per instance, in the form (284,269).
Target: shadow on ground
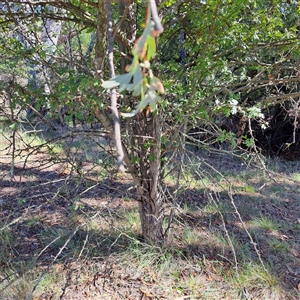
(67,236)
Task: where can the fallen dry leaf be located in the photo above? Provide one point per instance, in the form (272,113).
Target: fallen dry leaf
(146,293)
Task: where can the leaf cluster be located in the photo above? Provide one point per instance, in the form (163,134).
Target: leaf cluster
(140,79)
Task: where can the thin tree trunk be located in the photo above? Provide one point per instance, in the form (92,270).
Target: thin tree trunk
(152,218)
(151,199)
(142,156)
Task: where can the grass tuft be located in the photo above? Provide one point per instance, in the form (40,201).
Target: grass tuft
(265,223)
(254,279)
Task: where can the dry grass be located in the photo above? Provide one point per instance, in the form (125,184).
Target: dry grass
(76,235)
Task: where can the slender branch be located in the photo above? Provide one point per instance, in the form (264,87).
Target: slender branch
(157,23)
(113,92)
(13,121)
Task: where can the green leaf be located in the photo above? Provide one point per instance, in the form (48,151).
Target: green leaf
(119,80)
(151,49)
(138,76)
(143,39)
(152,157)
(130,114)
(13,126)
(43,54)
(150,99)
(136,86)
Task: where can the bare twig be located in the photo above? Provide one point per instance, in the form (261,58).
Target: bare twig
(30,297)
(13,121)
(230,194)
(113,92)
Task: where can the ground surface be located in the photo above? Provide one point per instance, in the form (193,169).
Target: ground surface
(70,229)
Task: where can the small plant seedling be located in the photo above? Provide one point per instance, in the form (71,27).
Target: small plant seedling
(21,201)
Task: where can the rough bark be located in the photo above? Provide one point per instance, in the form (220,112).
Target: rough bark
(152,218)
(101,40)
(151,198)
(128,28)
(144,154)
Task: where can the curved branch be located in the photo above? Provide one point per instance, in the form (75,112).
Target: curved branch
(157,23)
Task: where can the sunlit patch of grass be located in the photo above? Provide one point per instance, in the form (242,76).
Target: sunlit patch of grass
(143,256)
(214,208)
(258,282)
(265,223)
(127,198)
(278,245)
(243,175)
(188,283)
(35,141)
(132,219)
(188,208)
(48,280)
(18,288)
(232,248)
(32,140)
(296,176)
(55,149)
(169,179)
(227,241)
(56,238)
(188,275)
(189,181)
(190,235)
(203,182)
(94,224)
(165,269)
(72,242)
(248,189)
